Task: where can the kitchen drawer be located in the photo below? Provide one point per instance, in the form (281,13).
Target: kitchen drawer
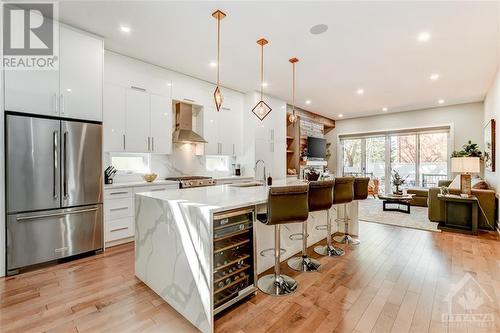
(118,193)
(154,188)
(118,208)
(119,229)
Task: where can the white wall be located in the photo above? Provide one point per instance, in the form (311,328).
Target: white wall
(466,121)
(492,111)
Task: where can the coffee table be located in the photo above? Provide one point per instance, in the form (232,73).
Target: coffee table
(401,201)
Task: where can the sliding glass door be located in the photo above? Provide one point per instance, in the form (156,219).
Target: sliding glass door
(420,157)
(433,158)
(404,158)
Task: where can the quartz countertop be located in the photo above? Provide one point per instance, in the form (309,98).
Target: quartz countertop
(217,198)
(141,183)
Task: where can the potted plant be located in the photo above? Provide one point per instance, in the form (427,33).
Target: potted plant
(468,150)
(397,181)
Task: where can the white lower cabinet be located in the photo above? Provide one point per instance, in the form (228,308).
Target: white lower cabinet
(119,212)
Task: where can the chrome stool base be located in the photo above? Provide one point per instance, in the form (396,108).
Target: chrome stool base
(304,264)
(330,251)
(282,286)
(346,239)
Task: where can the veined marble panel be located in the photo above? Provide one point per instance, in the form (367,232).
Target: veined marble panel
(173,248)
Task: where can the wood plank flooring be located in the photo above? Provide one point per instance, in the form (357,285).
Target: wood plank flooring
(395,281)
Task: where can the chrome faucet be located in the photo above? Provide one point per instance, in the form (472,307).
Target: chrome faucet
(255,170)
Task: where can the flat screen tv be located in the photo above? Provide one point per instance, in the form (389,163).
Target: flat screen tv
(316,147)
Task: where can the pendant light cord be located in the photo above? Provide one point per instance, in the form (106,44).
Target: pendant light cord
(261,72)
(218,47)
(293,89)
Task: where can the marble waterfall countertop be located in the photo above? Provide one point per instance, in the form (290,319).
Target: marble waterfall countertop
(174,240)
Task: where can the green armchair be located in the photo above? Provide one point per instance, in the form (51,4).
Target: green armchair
(487,205)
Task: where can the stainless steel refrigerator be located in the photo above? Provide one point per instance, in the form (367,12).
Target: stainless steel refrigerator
(54,189)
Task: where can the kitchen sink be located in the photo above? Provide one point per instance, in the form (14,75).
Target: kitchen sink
(248,184)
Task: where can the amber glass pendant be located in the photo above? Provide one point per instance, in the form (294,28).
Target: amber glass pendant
(218,98)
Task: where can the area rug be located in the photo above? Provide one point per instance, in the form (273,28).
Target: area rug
(370,210)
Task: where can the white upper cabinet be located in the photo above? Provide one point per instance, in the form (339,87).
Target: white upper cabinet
(80,75)
(190,90)
(114,104)
(222,129)
(73,91)
(137,121)
(128,72)
(32,91)
(160,124)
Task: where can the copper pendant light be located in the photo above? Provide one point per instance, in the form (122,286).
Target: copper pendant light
(261,109)
(293,117)
(218,98)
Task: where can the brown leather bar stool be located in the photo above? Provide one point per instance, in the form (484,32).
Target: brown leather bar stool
(286,204)
(343,193)
(321,198)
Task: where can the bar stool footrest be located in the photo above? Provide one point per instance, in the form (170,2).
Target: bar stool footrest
(321,227)
(270,252)
(297,236)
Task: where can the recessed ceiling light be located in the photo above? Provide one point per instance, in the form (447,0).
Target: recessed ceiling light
(360,91)
(341,115)
(68,90)
(424,37)
(441,101)
(264,84)
(385,109)
(212,64)
(308,101)
(434,76)
(318,29)
(125,29)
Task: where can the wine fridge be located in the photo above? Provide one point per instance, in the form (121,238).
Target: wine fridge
(234,271)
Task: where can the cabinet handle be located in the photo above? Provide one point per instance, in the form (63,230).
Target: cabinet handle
(158,189)
(234,150)
(272,134)
(149,143)
(153,143)
(61,104)
(55,147)
(138,88)
(118,229)
(116,193)
(189,100)
(118,208)
(123,141)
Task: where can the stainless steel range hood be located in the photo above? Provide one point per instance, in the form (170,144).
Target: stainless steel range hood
(184,125)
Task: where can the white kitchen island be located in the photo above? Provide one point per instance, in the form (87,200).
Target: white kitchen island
(174,243)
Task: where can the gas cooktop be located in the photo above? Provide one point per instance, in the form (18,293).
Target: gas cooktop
(193,181)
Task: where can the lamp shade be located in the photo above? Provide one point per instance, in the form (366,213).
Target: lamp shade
(465,164)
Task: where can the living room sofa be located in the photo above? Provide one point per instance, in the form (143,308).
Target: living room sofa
(486,198)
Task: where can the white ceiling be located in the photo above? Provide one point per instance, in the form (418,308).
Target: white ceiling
(369,45)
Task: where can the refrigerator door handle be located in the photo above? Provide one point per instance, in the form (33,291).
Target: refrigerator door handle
(41,216)
(65,165)
(55,175)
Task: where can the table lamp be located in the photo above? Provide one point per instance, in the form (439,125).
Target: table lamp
(466,166)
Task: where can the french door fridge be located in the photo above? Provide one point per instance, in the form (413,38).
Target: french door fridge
(54,189)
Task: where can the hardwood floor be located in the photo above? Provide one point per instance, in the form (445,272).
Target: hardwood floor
(395,281)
